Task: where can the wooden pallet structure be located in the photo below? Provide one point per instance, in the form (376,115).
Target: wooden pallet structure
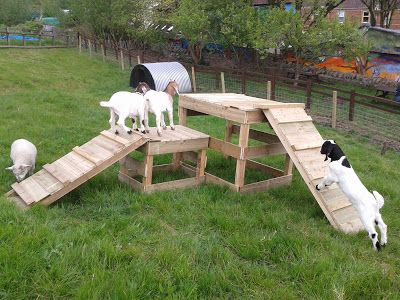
(295,135)
(65,174)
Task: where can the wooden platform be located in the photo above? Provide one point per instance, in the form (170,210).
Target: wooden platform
(295,136)
(65,174)
(184,142)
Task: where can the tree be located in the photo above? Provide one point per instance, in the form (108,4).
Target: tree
(14,12)
(382,8)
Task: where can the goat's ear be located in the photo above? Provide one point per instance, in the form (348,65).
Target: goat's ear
(10,168)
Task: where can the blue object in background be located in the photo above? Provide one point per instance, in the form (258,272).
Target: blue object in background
(19,37)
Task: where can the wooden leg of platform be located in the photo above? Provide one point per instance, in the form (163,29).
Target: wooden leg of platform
(228,134)
(288,166)
(201,163)
(176,160)
(182,113)
(148,171)
(241,163)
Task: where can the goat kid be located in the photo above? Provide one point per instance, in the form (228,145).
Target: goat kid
(23,154)
(159,102)
(126,104)
(367,204)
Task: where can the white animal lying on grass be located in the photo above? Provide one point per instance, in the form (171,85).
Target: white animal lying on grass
(23,154)
(126,104)
(366,203)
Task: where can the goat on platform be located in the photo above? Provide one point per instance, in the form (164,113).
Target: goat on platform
(126,104)
(159,102)
(366,203)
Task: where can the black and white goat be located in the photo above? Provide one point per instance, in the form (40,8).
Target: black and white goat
(366,203)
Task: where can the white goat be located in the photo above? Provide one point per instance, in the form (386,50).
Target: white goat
(23,154)
(159,102)
(367,204)
(126,104)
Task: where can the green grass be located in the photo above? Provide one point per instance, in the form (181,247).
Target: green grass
(104,241)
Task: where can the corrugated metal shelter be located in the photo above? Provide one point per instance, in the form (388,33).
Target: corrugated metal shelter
(158,75)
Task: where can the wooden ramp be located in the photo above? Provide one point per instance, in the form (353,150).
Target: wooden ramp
(65,174)
(302,141)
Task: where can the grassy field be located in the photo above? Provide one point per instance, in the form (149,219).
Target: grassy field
(104,241)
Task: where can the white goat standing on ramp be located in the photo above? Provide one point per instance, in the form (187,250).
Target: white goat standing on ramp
(367,204)
(126,104)
(23,154)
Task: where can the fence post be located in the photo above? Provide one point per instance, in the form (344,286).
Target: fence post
(223,82)
(52,39)
(7,37)
(138,59)
(269,90)
(334,108)
(309,90)
(23,40)
(90,47)
(194,88)
(80,43)
(103,52)
(273,87)
(244,82)
(352,104)
(122,60)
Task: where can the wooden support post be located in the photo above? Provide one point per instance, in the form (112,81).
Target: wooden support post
(138,60)
(90,47)
(103,52)
(223,82)
(273,87)
(182,114)
(148,171)
(352,104)
(241,163)
(122,60)
(308,101)
(288,166)
(177,157)
(201,163)
(244,82)
(228,134)
(269,90)
(194,88)
(334,108)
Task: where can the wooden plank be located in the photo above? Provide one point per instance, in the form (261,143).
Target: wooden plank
(89,156)
(259,135)
(155,148)
(255,165)
(107,143)
(263,150)
(219,181)
(79,162)
(95,151)
(297,120)
(47,181)
(176,184)
(30,191)
(266,184)
(241,163)
(136,185)
(190,156)
(58,173)
(148,171)
(115,137)
(225,147)
(132,166)
(290,115)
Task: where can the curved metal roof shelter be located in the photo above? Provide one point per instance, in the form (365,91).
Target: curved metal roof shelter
(158,75)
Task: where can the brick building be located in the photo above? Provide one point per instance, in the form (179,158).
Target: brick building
(353,10)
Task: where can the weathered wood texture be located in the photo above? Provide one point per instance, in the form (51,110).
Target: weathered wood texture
(302,141)
(65,174)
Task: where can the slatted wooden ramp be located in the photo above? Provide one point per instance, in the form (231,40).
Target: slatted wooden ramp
(302,141)
(65,174)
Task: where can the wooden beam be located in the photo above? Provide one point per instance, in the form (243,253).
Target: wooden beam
(266,184)
(241,162)
(224,147)
(255,165)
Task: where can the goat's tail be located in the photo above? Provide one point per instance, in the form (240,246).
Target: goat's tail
(379,199)
(105,104)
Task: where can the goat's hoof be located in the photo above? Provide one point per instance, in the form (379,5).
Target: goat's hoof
(116,132)
(172,127)
(137,129)
(317,187)
(130,131)
(144,131)
(164,127)
(159,133)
